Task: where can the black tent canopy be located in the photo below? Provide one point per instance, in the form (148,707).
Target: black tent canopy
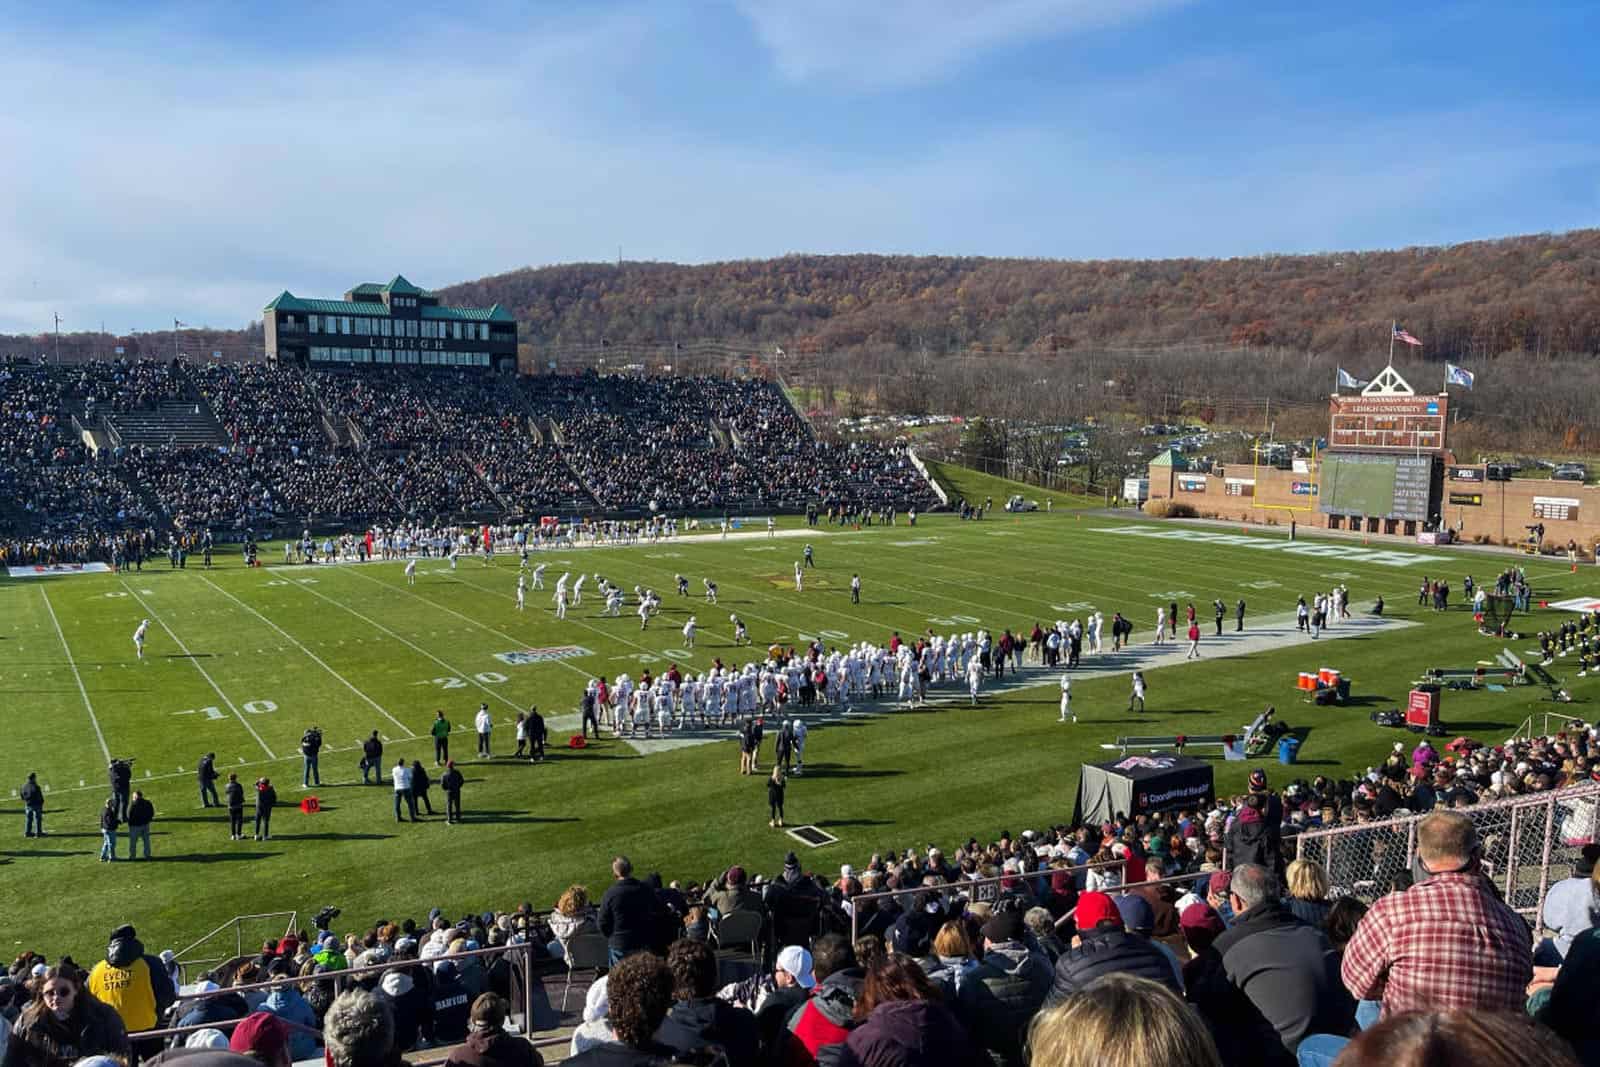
(1134,785)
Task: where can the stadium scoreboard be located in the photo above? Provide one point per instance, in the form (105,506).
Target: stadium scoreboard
(1387,423)
(1376,485)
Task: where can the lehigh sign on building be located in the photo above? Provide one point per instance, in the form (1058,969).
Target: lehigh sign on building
(391,324)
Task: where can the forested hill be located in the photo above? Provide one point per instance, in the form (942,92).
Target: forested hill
(1539,294)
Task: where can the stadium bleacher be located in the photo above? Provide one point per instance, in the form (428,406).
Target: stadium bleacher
(172,446)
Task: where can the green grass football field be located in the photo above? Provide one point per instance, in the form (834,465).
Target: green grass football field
(240,661)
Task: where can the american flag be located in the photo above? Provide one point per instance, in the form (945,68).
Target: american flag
(1402,335)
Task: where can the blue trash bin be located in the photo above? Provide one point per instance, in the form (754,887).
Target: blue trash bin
(1288,749)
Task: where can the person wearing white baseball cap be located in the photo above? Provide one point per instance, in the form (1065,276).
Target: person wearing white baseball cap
(794,969)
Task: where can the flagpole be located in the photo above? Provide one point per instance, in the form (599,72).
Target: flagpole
(1392,327)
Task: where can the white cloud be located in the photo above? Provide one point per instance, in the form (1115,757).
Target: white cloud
(884,43)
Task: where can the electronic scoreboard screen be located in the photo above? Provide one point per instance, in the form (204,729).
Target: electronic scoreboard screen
(1385,487)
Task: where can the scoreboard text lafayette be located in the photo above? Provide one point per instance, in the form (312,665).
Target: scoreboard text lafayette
(1387,423)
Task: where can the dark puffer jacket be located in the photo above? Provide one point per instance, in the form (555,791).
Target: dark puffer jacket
(706,1022)
(911,1033)
(1254,842)
(1110,952)
(1000,997)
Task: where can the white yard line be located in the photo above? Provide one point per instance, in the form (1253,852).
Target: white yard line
(376,625)
(516,642)
(313,656)
(203,672)
(89,707)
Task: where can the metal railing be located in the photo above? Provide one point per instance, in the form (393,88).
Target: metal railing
(1524,840)
(976,888)
(236,924)
(520,954)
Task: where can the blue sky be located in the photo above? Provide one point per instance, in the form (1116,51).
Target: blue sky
(191,161)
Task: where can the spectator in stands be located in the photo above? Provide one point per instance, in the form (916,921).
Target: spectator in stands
(730,893)
(1251,839)
(286,1003)
(358,1031)
(953,959)
(446,1020)
(698,1018)
(596,1026)
(573,915)
(794,902)
(1042,927)
(904,1023)
(628,912)
(639,989)
(1308,892)
(827,1018)
(409,1000)
(1162,897)
(1119,1020)
(1104,946)
(64,1023)
(488,1045)
(264,1038)
(1002,994)
(206,1011)
(1569,905)
(133,983)
(1447,943)
(1457,1039)
(1277,983)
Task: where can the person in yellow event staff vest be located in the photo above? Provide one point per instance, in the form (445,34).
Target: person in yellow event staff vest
(134,984)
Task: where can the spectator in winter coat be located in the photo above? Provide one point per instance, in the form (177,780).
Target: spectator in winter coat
(1104,946)
(446,1021)
(628,912)
(1251,839)
(488,1045)
(1281,981)
(1308,892)
(823,1022)
(697,1018)
(131,982)
(212,1010)
(63,1024)
(953,959)
(731,894)
(573,915)
(905,1024)
(1003,993)
(286,1003)
(596,1026)
(410,1003)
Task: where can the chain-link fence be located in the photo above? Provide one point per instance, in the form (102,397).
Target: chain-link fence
(1528,843)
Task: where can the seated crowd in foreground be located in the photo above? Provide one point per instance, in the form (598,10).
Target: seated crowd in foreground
(1263,962)
(331,446)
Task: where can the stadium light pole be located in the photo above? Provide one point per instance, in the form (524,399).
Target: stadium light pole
(58,340)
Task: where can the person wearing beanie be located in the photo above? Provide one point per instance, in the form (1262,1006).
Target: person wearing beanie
(264,1038)
(794,903)
(1251,840)
(1103,945)
(1000,996)
(731,893)
(1567,907)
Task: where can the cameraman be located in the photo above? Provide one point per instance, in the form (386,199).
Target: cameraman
(310,748)
(120,772)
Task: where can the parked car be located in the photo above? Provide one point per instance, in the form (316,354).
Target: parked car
(1016,503)
(1571,472)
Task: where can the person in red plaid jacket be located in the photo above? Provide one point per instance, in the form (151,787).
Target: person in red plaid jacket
(1446,944)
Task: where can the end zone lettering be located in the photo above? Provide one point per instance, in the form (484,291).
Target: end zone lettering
(1278,544)
(523,657)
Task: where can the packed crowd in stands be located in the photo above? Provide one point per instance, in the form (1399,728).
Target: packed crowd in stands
(1183,937)
(127,385)
(342,445)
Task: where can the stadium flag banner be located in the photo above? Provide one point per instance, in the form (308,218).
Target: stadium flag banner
(1454,375)
(1556,508)
(47,570)
(1135,785)
(523,657)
